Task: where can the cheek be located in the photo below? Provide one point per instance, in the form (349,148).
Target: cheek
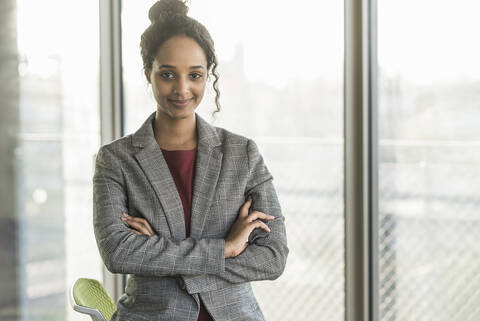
(199,89)
(161,90)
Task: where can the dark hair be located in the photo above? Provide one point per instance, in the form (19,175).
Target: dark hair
(168,19)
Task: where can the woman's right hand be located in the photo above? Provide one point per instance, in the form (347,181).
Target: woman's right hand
(237,238)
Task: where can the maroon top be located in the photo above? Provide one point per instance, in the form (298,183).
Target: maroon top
(182,165)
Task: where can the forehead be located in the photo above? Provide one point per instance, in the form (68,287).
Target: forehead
(180,51)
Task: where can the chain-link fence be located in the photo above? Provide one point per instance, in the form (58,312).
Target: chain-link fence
(429,234)
(308,178)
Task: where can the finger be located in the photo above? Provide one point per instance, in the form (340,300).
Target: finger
(141,227)
(260,224)
(247,203)
(256,215)
(138,226)
(150,229)
(245,207)
(135,219)
(142,221)
(135,231)
(145,223)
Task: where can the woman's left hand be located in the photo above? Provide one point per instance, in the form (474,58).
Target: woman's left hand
(140,226)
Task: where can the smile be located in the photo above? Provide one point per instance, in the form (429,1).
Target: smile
(180,103)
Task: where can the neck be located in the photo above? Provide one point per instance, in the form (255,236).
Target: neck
(170,132)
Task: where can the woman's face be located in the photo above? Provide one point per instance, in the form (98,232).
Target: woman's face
(178,76)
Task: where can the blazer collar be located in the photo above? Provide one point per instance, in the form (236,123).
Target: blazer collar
(206,172)
(206,133)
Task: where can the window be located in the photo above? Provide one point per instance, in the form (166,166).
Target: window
(429,174)
(282,84)
(53,122)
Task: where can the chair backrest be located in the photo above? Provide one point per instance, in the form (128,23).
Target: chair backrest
(90,297)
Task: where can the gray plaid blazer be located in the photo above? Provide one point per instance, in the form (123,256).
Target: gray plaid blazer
(170,273)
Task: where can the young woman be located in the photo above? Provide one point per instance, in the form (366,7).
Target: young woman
(186,208)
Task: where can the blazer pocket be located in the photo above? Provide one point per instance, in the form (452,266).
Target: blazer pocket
(151,294)
(240,299)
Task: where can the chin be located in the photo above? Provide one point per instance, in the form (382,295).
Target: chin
(186,113)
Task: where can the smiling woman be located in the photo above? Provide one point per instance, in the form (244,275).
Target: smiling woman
(178,77)
(280,67)
(155,190)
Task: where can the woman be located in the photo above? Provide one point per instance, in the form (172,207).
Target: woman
(187,209)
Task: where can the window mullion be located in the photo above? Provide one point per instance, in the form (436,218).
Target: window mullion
(111,99)
(360,161)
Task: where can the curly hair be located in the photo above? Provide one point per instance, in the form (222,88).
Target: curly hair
(168,19)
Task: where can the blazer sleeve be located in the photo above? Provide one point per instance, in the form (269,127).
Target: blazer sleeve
(266,255)
(123,251)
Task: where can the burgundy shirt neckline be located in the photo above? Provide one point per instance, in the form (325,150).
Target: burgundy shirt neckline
(180,150)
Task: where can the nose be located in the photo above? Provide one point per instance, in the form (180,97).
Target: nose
(181,88)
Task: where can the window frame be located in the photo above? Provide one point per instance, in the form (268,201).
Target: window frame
(111,100)
(361,161)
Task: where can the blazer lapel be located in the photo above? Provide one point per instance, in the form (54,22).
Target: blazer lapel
(206,172)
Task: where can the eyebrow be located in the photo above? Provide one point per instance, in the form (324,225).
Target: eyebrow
(173,67)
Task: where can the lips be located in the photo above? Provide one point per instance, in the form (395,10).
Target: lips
(180,102)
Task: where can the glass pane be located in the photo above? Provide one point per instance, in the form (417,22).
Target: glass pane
(281,83)
(429,147)
(55,124)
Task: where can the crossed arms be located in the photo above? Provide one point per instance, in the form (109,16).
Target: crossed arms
(200,262)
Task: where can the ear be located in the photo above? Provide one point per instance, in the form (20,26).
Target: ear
(147,74)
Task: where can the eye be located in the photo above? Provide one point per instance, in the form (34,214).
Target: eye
(167,75)
(196,75)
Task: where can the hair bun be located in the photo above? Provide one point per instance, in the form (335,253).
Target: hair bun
(167,8)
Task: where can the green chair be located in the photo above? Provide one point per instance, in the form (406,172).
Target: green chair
(88,296)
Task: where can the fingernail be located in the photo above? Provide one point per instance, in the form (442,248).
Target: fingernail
(123,219)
